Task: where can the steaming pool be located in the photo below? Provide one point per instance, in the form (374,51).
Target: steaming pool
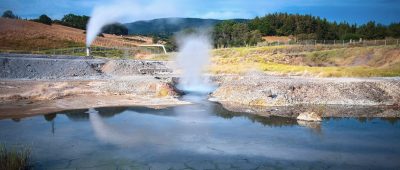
(201,136)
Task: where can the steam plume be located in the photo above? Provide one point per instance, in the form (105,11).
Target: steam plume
(119,10)
(193,57)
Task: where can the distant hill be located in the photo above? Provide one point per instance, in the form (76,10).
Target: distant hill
(168,26)
(27,35)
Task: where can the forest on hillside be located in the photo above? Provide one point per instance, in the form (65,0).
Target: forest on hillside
(236,33)
(301,27)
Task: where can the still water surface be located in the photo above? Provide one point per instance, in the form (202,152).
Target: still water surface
(201,136)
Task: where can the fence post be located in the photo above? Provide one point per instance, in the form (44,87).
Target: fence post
(334,42)
(343,42)
(385,42)
(397,42)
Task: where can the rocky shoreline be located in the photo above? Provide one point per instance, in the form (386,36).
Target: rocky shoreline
(43,84)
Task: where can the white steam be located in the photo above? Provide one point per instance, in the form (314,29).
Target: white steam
(193,57)
(123,10)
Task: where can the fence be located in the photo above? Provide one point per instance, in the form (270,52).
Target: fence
(118,52)
(132,52)
(343,43)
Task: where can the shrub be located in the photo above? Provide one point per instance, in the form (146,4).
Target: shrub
(44,19)
(14,158)
(9,14)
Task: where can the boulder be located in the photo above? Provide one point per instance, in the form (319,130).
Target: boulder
(309,116)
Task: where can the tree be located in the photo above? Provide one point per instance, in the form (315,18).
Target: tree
(371,30)
(394,30)
(155,39)
(117,29)
(233,34)
(9,14)
(75,21)
(44,19)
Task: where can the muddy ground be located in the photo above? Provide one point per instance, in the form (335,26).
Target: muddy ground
(34,84)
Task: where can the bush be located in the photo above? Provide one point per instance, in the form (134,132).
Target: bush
(351,36)
(44,19)
(117,29)
(75,21)
(9,14)
(14,158)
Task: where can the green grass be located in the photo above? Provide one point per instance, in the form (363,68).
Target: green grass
(14,158)
(160,57)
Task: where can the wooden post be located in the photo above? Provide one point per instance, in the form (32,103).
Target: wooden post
(385,42)
(334,42)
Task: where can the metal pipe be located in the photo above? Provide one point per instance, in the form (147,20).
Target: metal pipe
(87,52)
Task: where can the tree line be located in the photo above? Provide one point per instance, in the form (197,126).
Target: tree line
(302,27)
(231,33)
(311,27)
(72,20)
(235,33)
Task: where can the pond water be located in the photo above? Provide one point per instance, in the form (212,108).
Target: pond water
(201,136)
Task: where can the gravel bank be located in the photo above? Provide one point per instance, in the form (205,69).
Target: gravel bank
(18,66)
(261,90)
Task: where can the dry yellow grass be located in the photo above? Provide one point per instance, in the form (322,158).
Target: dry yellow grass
(282,39)
(28,35)
(341,62)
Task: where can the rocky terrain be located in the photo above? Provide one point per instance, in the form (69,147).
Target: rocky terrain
(262,90)
(19,66)
(35,84)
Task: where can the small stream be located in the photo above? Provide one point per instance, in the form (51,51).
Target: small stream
(201,136)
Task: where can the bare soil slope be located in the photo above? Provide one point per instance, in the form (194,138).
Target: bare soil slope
(28,35)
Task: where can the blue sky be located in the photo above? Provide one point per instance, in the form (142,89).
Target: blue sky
(353,11)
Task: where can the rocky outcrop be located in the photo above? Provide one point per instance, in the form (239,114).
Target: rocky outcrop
(321,110)
(309,116)
(289,91)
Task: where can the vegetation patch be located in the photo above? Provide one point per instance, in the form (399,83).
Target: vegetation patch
(319,61)
(14,158)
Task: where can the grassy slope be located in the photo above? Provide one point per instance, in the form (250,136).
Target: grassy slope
(21,35)
(314,61)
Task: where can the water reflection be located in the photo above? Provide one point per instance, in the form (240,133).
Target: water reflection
(50,117)
(206,133)
(212,109)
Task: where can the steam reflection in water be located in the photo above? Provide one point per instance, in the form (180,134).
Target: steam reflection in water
(194,129)
(202,135)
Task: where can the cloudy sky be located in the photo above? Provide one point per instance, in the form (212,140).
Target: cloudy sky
(353,11)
